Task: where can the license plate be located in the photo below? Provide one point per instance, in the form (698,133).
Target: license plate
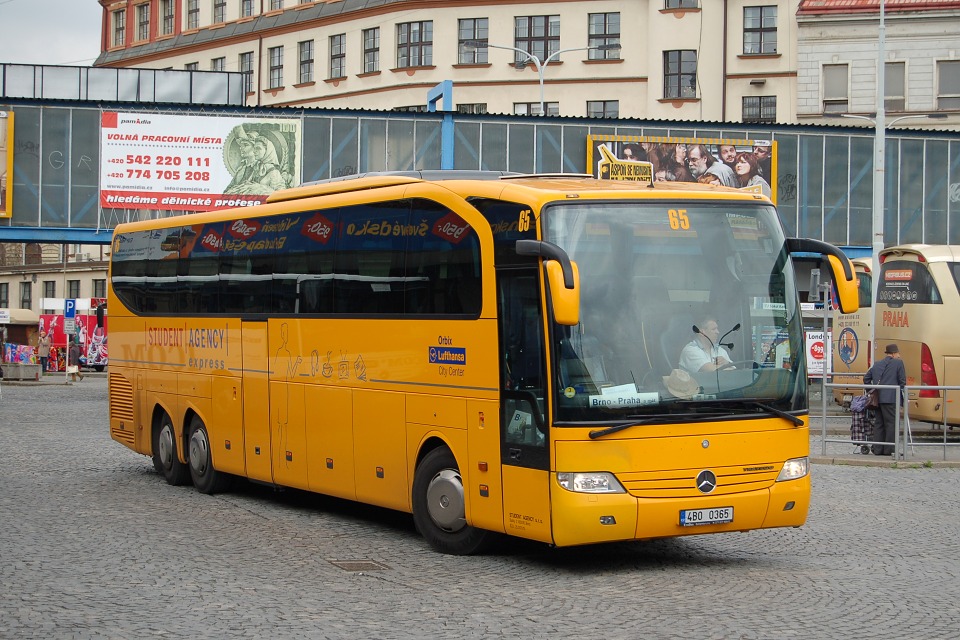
(695,517)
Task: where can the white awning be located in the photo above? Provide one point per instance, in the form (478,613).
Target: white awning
(19,316)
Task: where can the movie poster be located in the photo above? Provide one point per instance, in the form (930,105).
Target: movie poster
(750,165)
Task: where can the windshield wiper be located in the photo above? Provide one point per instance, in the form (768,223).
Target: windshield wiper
(797,422)
(599,433)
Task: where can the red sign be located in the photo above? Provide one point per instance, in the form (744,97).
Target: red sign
(817,350)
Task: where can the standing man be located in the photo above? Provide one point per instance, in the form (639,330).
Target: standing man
(889,371)
(43,351)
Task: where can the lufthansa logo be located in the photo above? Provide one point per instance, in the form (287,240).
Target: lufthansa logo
(706,481)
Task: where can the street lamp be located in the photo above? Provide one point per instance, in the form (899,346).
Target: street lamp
(537,62)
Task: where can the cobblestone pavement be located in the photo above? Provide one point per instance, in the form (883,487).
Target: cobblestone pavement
(93,544)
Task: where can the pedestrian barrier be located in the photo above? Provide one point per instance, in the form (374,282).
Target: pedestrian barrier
(905,446)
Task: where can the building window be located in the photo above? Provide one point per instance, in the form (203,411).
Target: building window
(680,74)
(537,35)
(948,84)
(834,88)
(604,31)
(26,295)
(49,288)
(476,107)
(415,44)
(276,5)
(275,55)
(305,52)
(166,15)
(371,50)
(895,86)
(477,30)
(218,64)
(191,66)
(680,4)
(143,21)
(603,108)
(219,11)
(246,68)
(5,295)
(193,14)
(760,108)
(246,8)
(533,108)
(119,28)
(338,56)
(760,29)
(100,288)
(73,289)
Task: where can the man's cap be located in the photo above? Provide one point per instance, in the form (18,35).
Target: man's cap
(892,348)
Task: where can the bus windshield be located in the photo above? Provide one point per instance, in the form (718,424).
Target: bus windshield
(683,312)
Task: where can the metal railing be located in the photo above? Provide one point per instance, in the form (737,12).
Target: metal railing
(904,444)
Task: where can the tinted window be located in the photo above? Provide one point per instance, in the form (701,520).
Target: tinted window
(905,281)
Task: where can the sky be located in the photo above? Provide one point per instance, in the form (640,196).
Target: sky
(50,31)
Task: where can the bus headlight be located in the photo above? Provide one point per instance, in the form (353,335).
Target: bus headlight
(793,469)
(597,482)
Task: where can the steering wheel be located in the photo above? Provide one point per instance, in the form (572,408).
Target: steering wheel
(739,364)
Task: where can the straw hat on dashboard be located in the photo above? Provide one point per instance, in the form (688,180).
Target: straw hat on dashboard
(681,384)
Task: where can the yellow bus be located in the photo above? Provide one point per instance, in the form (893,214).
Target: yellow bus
(851,337)
(491,353)
(916,299)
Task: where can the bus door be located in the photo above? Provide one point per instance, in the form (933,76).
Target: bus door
(524,436)
(256,400)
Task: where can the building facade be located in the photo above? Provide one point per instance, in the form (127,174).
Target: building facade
(686,60)
(837,68)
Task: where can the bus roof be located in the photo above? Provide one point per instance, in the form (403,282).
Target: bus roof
(551,185)
(928,252)
(533,189)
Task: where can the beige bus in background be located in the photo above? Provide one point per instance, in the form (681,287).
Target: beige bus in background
(918,305)
(851,337)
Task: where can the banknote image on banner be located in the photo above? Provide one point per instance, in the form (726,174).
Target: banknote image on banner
(195,163)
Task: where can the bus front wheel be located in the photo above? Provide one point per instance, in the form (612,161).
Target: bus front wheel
(165,459)
(439,508)
(205,478)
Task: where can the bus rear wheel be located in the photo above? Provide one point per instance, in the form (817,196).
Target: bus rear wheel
(165,459)
(205,478)
(439,507)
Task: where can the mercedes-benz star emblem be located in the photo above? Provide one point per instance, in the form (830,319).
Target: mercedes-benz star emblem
(706,481)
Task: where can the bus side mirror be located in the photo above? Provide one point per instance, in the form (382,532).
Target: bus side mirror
(100,309)
(566,302)
(563,278)
(848,297)
(844,277)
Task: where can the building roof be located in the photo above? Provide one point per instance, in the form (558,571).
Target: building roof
(837,7)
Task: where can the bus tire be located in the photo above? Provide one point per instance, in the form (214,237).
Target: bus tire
(165,459)
(205,478)
(439,506)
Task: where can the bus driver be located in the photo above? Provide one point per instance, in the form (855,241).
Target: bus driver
(703,353)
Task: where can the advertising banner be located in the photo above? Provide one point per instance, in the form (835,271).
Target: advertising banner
(6,164)
(195,163)
(91,339)
(750,165)
(818,353)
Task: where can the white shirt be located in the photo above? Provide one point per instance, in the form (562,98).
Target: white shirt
(695,355)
